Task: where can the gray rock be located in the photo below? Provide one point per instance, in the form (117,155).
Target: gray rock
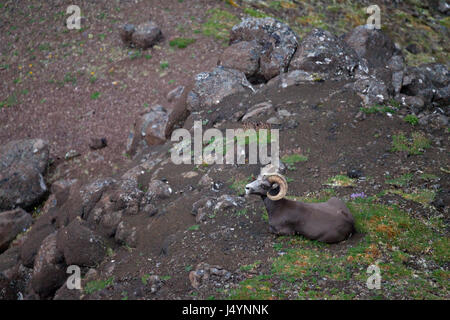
(263,108)
(416,104)
(146,35)
(226,202)
(417,83)
(278,41)
(126,234)
(206,181)
(397,81)
(158,190)
(155,283)
(442,96)
(322,52)
(294,78)
(434,121)
(22,165)
(437,73)
(396,63)
(371,90)
(11,224)
(127,197)
(274,121)
(211,88)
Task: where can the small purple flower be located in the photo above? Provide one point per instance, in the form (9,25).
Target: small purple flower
(358,195)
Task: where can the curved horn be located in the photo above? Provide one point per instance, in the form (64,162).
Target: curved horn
(281,181)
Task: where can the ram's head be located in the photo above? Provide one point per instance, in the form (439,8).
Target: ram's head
(270,183)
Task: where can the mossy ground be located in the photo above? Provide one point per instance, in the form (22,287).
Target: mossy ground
(411,255)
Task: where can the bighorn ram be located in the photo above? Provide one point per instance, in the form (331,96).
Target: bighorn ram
(329,221)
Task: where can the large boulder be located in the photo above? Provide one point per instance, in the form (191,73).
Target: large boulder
(49,271)
(371,44)
(80,245)
(278,43)
(11,224)
(243,56)
(322,52)
(211,88)
(22,165)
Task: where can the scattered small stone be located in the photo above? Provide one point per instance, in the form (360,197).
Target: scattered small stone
(189,174)
(71,154)
(355,173)
(98,143)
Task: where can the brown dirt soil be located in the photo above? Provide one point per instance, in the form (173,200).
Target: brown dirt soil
(334,142)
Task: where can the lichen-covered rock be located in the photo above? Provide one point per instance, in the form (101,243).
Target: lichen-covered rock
(22,164)
(211,88)
(157,190)
(243,56)
(278,41)
(205,273)
(371,90)
(322,52)
(430,82)
(295,77)
(416,83)
(11,224)
(127,197)
(126,234)
(144,35)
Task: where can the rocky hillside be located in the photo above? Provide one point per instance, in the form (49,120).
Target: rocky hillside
(362,115)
